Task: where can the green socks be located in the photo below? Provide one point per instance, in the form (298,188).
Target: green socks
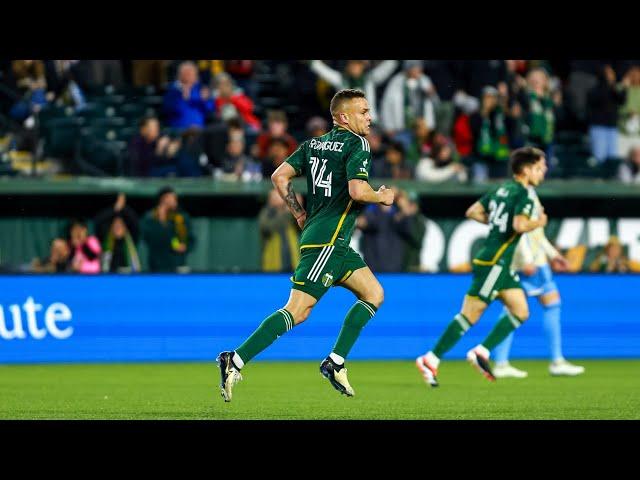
(508,323)
(356,319)
(278,323)
(451,335)
(281,322)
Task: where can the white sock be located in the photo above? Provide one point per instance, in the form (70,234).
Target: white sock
(237,361)
(483,350)
(432,359)
(337,359)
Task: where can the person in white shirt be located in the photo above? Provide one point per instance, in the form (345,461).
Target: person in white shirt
(441,167)
(408,95)
(532,261)
(355,75)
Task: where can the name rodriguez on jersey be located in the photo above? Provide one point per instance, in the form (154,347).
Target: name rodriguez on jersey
(329,146)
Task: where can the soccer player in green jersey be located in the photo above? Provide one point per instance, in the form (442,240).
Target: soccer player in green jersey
(507,210)
(336,166)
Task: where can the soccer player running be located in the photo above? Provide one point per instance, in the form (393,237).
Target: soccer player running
(336,166)
(531,261)
(507,209)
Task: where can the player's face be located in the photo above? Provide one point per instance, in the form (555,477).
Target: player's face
(359,116)
(537,172)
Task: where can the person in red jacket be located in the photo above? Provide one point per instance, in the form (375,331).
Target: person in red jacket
(463,135)
(276,128)
(231,102)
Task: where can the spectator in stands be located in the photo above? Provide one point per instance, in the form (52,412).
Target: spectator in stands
(383,245)
(603,102)
(191,159)
(57,73)
(69,93)
(279,234)
(356,75)
(481,73)
(515,90)
(629,113)
(611,259)
(149,153)
(31,83)
(441,167)
(421,143)
(29,75)
(629,171)
(237,165)
(448,79)
(216,137)
(583,77)
(490,140)
(188,103)
(276,128)
(377,150)
(58,261)
(117,229)
(412,228)
(85,248)
(462,133)
(233,103)
(242,72)
(317,126)
(538,105)
(394,165)
(408,96)
(278,153)
(166,230)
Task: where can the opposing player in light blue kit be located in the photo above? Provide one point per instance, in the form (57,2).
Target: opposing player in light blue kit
(532,261)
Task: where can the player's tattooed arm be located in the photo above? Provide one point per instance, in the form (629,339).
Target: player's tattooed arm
(478,213)
(292,202)
(281,179)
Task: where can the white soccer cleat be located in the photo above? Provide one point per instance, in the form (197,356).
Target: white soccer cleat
(337,376)
(428,368)
(478,357)
(506,370)
(229,375)
(564,368)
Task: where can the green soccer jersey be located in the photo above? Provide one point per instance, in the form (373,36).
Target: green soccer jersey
(329,162)
(503,204)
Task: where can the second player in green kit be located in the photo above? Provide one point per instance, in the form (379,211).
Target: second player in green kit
(491,266)
(336,166)
(507,210)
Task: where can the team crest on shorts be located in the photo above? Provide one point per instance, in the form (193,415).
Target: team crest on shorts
(327,279)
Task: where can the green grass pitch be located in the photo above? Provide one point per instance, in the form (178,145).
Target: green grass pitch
(296,390)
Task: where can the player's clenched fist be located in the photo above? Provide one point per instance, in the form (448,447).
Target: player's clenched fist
(543,219)
(387,195)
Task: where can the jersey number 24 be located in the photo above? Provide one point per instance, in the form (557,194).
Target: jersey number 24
(496,216)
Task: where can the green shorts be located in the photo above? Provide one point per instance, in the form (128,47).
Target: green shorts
(489,280)
(322,267)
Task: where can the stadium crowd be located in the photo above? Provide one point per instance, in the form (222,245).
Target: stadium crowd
(237,120)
